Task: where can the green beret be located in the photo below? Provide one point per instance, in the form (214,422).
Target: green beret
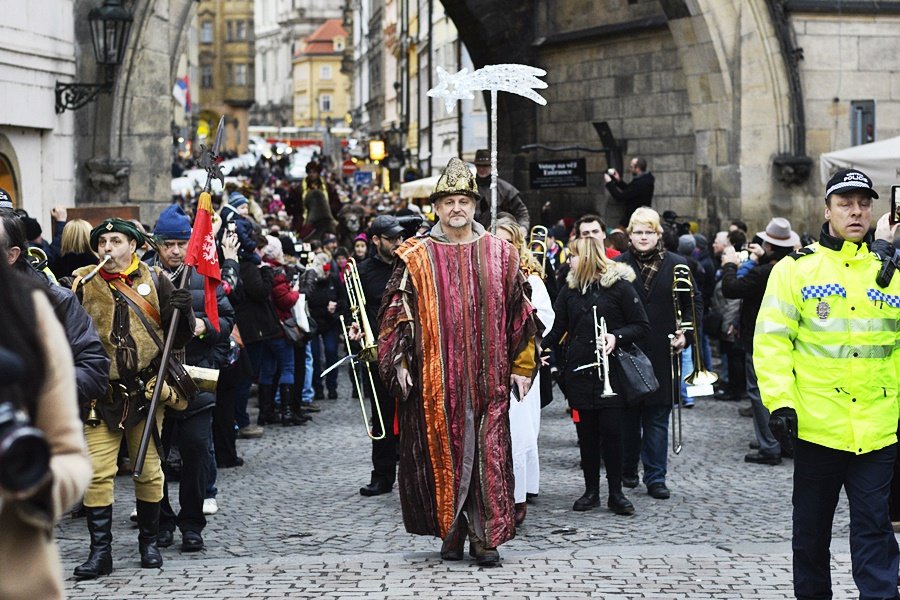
(116,225)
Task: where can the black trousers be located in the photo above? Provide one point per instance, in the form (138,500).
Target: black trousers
(384,452)
(223,432)
(737,376)
(600,435)
(191,435)
(819,475)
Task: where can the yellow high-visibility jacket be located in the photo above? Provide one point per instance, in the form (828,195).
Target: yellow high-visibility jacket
(825,344)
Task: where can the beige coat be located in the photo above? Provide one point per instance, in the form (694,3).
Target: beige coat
(29,561)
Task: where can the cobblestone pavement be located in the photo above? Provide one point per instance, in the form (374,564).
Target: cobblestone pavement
(292,524)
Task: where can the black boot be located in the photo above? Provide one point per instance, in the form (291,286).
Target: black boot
(588,500)
(148,529)
(301,416)
(286,394)
(267,414)
(99,562)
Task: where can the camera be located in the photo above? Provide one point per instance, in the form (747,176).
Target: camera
(24,452)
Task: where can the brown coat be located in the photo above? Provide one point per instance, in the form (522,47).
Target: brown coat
(29,561)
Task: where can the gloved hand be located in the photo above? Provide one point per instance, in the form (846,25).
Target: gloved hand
(167,395)
(180,299)
(783,424)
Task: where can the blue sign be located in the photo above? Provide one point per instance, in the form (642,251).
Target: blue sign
(363,178)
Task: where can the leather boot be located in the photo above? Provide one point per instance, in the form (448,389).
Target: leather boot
(148,529)
(99,562)
(267,414)
(286,393)
(588,500)
(452,548)
(301,415)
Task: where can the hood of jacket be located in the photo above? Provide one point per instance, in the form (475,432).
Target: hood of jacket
(615,271)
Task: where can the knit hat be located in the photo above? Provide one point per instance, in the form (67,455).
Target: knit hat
(173,224)
(361,237)
(32,228)
(456,179)
(115,225)
(686,244)
(237,199)
(273,250)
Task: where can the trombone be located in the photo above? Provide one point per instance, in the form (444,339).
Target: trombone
(602,359)
(537,243)
(683,290)
(369,352)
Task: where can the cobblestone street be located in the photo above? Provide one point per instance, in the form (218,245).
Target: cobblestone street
(292,524)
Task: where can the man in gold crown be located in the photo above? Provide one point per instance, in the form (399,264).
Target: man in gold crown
(456,335)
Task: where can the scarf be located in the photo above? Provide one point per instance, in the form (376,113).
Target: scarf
(649,261)
(125,275)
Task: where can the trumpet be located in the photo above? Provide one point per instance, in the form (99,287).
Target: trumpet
(602,359)
(537,243)
(369,352)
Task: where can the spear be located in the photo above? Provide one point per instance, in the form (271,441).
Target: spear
(208,160)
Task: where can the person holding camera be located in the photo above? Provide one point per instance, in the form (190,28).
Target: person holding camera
(131,304)
(778,240)
(826,354)
(637,192)
(38,408)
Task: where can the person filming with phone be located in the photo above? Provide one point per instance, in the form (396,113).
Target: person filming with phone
(825,353)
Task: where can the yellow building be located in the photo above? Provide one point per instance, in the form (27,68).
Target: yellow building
(226,68)
(321,90)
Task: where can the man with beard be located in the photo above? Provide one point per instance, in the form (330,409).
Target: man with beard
(457,333)
(374,272)
(509,200)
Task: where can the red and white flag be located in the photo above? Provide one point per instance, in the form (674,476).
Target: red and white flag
(201,254)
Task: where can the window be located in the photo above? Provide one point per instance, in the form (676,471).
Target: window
(862,122)
(229,31)
(240,75)
(325,103)
(338,44)
(206,32)
(206,76)
(325,72)
(241,30)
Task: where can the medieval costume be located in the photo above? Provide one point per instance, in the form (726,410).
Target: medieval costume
(456,321)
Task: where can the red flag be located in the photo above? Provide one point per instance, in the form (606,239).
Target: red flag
(201,254)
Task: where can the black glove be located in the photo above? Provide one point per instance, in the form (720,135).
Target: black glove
(180,299)
(783,424)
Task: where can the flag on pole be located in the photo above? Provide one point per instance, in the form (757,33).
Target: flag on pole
(201,254)
(182,93)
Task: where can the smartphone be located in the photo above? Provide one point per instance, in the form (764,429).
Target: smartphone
(744,256)
(894,216)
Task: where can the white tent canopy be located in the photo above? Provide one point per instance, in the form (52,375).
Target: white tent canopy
(878,160)
(422,188)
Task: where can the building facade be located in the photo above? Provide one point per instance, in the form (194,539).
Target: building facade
(321,89)
(227,69)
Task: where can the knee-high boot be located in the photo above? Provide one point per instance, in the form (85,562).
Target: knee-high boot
(267,414)
(148,529)
(286,392)
(99,562)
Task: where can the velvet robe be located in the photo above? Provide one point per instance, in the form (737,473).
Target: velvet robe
(455,316)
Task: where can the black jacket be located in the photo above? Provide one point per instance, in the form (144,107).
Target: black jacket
(660,307)
(639,192)
(750,288)
(616,301)
(90,358)
(319,292)
(374,274)
(252,301)
(509,200)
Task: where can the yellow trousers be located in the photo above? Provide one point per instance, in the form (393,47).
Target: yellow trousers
(103,444)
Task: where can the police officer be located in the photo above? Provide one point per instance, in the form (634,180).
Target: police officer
(824,353)
(122,410)
(386,234)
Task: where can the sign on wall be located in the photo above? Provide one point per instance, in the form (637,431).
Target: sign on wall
(549,174)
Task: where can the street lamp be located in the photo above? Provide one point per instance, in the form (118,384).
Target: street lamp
(110,26)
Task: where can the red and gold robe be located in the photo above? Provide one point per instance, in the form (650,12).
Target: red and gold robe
(457,318)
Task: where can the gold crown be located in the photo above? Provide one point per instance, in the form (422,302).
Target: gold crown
(456,179)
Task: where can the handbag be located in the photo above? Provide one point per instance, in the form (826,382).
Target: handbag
(301,318)
(292,332)
(637,377)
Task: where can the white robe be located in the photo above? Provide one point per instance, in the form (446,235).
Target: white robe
(525,416)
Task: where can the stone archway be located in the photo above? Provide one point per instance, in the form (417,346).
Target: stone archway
(123,144)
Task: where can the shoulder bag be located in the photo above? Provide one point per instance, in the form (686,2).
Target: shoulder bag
(637,377)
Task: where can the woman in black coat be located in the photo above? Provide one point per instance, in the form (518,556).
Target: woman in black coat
(593,281)
(646,431)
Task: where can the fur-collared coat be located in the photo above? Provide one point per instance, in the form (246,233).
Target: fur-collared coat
(617,301)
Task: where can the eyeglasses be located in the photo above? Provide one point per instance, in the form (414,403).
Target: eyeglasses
(644,233)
